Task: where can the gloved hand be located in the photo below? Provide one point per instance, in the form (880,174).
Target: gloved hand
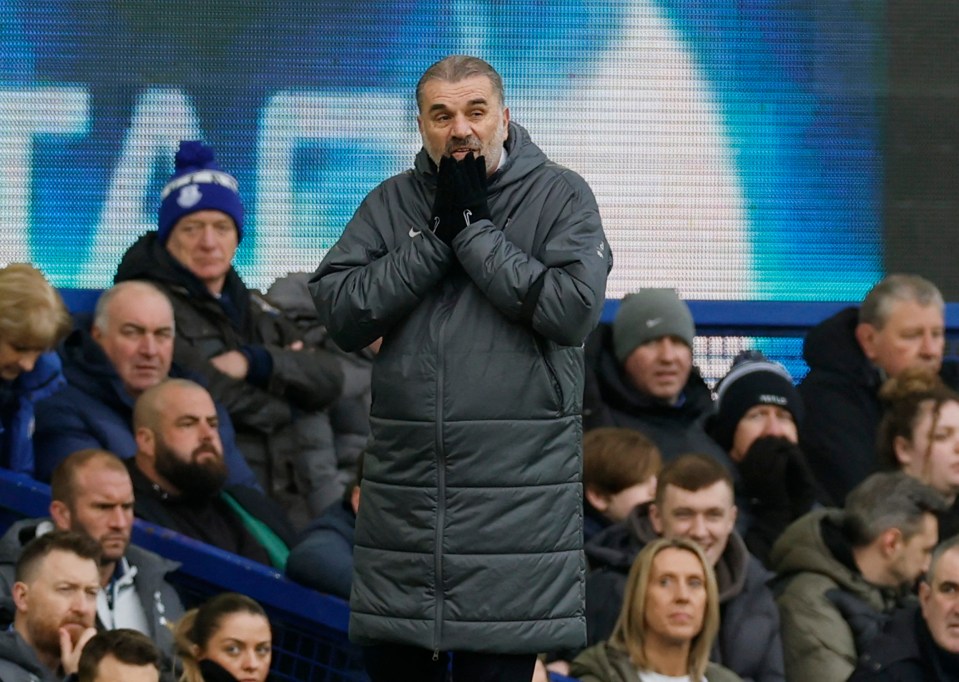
(775,475)
(460,196)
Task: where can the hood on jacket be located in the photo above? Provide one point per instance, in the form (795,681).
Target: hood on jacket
(831,346)
(88,368)
(523,157)
(617,546)
(802,548)
(15,650)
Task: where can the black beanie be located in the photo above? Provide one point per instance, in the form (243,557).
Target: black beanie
(752,381)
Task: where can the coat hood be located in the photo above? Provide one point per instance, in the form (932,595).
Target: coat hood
(831,346)
(523,157)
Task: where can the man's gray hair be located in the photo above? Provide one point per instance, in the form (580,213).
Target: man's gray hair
(456,68)
(940,550)
(897,288)
(101,313)
(891,499)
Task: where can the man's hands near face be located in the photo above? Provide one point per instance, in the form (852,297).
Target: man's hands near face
(70,653)
(460,196)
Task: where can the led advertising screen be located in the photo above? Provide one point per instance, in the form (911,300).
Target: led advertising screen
(734,147)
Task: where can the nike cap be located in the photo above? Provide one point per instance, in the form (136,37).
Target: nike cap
(648,315)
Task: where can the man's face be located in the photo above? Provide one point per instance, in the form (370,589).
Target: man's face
(102,508)
(205,243)
(138,338)
(111,670)
(462,117)
(675,597)
(660,368)
(913,336)
(940,602)
(912,556)
(15,360)
(706,516)
(188,451)
(759,421)
(61,594)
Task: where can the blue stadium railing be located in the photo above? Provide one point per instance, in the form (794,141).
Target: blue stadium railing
(309,628)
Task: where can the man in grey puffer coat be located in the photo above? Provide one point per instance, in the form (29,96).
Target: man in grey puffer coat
(483,276)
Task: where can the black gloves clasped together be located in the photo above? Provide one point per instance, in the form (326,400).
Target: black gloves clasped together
(460,196)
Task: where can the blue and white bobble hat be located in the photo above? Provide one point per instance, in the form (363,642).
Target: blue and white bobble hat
(198,184)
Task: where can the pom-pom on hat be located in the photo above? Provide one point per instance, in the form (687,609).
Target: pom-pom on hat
(753,380)
(648,315)
(198,184)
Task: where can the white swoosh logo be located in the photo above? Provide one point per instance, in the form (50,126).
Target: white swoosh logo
(415,233)
(653,322)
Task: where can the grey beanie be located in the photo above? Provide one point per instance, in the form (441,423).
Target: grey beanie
(648,315)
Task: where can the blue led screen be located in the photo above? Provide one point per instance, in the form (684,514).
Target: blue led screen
(734,147)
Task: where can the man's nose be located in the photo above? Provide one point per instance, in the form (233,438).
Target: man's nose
(148,345)
(773,427)
(28,360)
(461,127)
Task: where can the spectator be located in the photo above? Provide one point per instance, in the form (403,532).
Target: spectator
(919,434)
(483,275)
(127,349)
(348,418)
(33,319)
(900,324)
(841,572)
(640,375)
(667,622)
(92,495)
(322,557)
(55,597)
(921,642)
(694,500)
(252,359)
(758,410)
(122,655)
(178,476)
(619,473)
(226,639)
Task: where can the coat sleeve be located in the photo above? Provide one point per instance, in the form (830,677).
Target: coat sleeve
(561,292)
(323,560)
(369,281)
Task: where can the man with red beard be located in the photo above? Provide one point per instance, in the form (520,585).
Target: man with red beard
(179,477)
(55,596)
(92,495)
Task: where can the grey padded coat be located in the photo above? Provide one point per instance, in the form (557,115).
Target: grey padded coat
(469,535)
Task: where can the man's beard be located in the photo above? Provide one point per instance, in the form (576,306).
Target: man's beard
(46,635)
(195,480)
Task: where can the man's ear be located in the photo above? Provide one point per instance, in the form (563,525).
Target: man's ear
(599,501)
(890,540)
(20,594)
(866,337)
(146,441)
(60,513)
(655,518)
(925,591)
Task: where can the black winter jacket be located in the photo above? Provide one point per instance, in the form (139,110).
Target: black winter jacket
(906,652)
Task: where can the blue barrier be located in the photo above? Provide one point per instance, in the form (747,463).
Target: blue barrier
(309,628)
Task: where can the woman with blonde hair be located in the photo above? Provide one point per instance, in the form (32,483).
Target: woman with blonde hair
(33,320)
(668,621)
(227,639)
(919,435)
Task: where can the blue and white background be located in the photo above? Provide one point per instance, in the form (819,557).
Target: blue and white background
(734,147)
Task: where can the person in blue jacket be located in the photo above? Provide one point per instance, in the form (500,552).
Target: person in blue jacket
(33,319)
(127,349)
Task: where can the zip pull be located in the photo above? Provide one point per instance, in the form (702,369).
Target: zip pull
(436,655)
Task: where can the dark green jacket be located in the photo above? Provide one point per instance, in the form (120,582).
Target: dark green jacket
(603,663)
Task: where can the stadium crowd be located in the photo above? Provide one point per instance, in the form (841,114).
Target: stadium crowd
(752,530)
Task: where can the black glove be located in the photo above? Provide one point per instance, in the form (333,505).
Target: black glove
(460,196)
(214,672)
